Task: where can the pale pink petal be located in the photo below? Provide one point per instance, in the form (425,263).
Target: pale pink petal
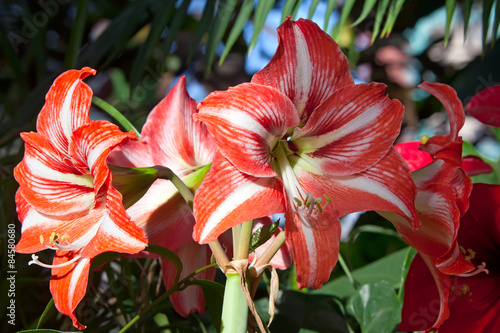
(350,131)
(69,283)
(66,108)
(228,197)
(193,256)
(247,123)
(174,138)
(307,66)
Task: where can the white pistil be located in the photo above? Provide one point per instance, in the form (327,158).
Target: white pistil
(481,268)
(39,263)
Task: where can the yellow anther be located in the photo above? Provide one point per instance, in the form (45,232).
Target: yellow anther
(327,198)
(319,206)
(53,238)
(41,240)
(65,236)
(465,290)
(472,254)
(424,139)
(297,200)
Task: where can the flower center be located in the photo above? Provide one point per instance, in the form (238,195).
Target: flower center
(469,254)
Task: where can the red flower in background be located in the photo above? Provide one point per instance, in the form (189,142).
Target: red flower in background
(302,139)
(66,201)
(474,298)
(485,106)
(171,138)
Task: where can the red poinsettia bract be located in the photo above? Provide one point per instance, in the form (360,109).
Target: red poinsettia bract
(473,299)
(65,199)
(302,139)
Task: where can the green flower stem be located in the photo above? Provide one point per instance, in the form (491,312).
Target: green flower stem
(347,271)
(127,125)
(245,238)
(271,250)
(219,254)
(235,307)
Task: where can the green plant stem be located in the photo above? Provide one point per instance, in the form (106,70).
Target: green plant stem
(127,125)
(75,40)
(235,307)
(347,271)
(219,254)
(244,240)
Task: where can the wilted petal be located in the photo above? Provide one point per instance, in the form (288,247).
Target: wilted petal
(247,122)
(174,138)
(69,283)
(66,108)
(485,106)
(350,131)
(193,257)
(307,66)
(228,197)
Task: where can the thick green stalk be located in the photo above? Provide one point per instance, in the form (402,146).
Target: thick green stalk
(235,307)
(127,125)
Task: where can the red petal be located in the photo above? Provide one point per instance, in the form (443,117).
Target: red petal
(228,197)
(174,138)
(50,184)
(116,232)
(247,122)
(163,215)
(131,154)
(90,146)
(193,257)
(426,297)
(414,157)
(307,67)
(474,166)
(68,284)
(385,186)
(485,106)
(66,108)
(350,131)
(448,97)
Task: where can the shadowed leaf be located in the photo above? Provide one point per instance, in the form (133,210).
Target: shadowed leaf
(244,13)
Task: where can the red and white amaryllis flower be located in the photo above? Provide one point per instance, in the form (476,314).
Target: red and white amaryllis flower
(66,201)
(302,139)
(442,198)
(171,138)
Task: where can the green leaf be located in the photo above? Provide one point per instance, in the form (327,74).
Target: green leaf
(173,29)
(466,7)
(167,254)
(468,149)
(214,297)
(104,258)
(376,307)
(388,268)
(381,10)
(487,6)
(330,7)
(261,12)
(394,10)
(373,229)
(287,9)
(121,119)
(203,26)
(312,8)
(296,9)
(75,39)
(410,254)
(450,9)
(496,24)
(244,13)
(263,234)
(49,306)
(367,8)
(221,21)
(344,15)
(159,23)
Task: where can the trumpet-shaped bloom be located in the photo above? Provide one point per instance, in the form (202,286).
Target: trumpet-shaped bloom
(302,139)
(473,299)
(171,138)
(66,201)
(442,198)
